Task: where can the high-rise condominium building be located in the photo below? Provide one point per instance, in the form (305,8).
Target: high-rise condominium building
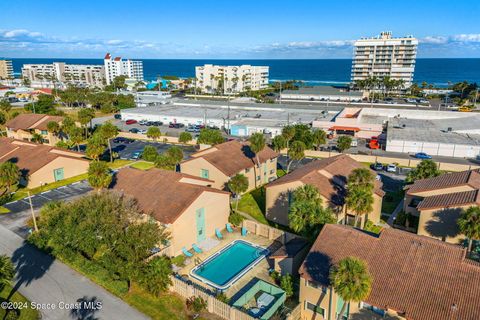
(6,69)
(231,79)
(79,74)
(117,66)
(384,56)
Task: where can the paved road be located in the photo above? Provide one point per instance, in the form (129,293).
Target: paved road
(125,151)
(44,280)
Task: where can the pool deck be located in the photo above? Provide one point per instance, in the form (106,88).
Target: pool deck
(259,271)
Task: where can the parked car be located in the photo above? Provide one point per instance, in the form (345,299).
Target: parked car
(354,143)
(142,122)
(391,168)
(373,143)
(122,140)
(411,100)
(192,129)
(142,131)
(157,123)
(176,125)
(131,121)
(136,155)
(117,116)
(377,166)
(422,155)
(134,130)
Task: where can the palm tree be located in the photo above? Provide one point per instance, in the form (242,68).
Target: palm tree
(362,177)
(257,143)
(9,176)
(53,127)
(469,225)
(154,133)
(351,281)
(238,184)
(360,201)
(99,176)
(319,137)
(109,131)
(7,271)
(296,152)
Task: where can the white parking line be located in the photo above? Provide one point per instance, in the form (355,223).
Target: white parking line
(56,190)
(43,197)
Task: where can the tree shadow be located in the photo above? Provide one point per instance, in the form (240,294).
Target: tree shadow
(87,308)
(443,223)
(364,314)
(30,264)
(318,265)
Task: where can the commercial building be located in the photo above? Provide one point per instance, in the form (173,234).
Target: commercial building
(231,79)
(185,205)
(24,126)
(322,93)
(40,164)
(117,66)
(223,161)
(6,69)
(413,277)
(48,75)
(385,56)
(437,203)
(151,98)
(329,176)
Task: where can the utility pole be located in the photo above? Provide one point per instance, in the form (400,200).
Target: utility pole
(33,214)
(280,93)
(228,116)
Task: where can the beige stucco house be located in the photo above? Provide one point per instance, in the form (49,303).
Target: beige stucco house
(414,277)
(23,126)
(438,203)
(185,205)
(41,164)
(329,176)
(223,161)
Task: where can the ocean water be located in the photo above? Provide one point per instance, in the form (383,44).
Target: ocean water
(313,72)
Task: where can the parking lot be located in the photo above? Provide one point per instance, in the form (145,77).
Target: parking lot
(127,150)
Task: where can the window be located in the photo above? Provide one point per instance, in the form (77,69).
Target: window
(204,173)
(314,308)
(316,285)
(258,178)
(44,132)
(247,170)
(272,171)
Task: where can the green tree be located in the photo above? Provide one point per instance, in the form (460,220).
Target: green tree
(344,143)
(303,133)
(238,184)
(210,136)
(37,138)
(3,118)
(9,177)
(164,162)
(185,137)
(53,127)
(43,105)
(351,280)
(286,283)
(99,176)
(319,137)
(85,116)
(257,144)
(288,132)
(95,147)
(149,153)
(108,131)
(279,143)
(361,177)
(76,137)
(68,125)
(175,153)
(425,169)
(155,275)
(469,225)
(296,152)
(153,133)
(360,201)
(7,271)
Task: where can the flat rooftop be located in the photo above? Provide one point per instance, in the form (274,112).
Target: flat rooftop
(323,90)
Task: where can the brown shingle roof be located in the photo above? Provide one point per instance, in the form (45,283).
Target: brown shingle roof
(328,175)
(447,180)
(160,192)
(420,276)
(456,199)
(30,157)
(31,121)
(233,156)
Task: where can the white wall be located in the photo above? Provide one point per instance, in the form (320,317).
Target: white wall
(433,148)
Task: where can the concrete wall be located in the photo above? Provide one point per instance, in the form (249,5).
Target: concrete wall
(138,136)
(441,224)
(184,229)
(71,168)
(433,148)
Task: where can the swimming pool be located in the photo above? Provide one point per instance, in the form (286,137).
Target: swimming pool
(228,265)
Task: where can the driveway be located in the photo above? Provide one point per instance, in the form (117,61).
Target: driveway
(125,151)
(54,286)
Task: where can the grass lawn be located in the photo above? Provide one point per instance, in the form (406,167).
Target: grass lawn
(281,173)
(142,165)
(25,313)
(118,163)
(391,201)
(253,203)
(3,210)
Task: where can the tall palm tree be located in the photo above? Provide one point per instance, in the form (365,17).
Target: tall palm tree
(351,281)
(360,201)
(361,177)
(257,143)
(7,271)
(296,152)
(469,225)
(9,177)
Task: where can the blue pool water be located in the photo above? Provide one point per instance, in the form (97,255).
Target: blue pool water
(225,267)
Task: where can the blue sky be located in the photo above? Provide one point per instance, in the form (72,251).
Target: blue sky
(231,29)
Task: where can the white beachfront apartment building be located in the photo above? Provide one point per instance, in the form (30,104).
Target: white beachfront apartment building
(6,69)
(117,66)
(384,56)
(231,79)
(45,75)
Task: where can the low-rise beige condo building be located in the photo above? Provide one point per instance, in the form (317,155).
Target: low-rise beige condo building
(329,176)
(185,205)
(221,162)
(24,126)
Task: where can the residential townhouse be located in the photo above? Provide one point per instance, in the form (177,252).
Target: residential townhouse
(185,205)
(414,277)
(221,162)
(438,202)
(329,176)
(24,126)
(40,164)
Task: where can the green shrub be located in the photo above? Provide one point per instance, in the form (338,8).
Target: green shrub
(286,284)
(222,297)
(196,304)
(236,218)
(371,227)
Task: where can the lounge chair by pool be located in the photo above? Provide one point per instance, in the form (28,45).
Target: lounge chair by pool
(218,234)
(229,227)
(244,231)
(196,248)
(185,252)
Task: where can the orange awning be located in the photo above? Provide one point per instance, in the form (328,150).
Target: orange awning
(336,128)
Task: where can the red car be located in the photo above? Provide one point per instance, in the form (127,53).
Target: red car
(130,121)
